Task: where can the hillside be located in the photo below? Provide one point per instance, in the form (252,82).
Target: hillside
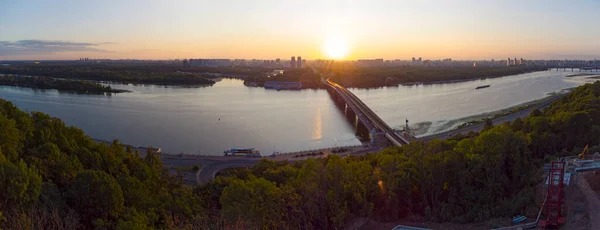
(54,176)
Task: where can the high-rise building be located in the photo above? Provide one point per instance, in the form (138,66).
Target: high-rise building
(299,64)
(293,62)
(521,61)
(515,63)
(508,62)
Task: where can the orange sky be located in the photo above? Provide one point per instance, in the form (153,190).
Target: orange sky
(269,29)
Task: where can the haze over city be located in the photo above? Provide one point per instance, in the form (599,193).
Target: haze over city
(268,29)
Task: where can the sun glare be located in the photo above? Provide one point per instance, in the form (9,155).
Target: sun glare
(335,47)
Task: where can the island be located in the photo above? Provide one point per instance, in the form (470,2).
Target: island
(145,73)
(62,85)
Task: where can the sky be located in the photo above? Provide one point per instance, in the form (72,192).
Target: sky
(269,29)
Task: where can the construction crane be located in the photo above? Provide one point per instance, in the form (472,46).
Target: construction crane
(583,153)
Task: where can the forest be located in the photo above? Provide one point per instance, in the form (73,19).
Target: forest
(127,73)
(366,77)
(53,176)
(62,85)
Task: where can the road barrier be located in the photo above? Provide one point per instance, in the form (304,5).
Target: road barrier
(319,150)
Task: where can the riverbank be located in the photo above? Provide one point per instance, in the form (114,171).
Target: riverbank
(583,74)
(495,121)
(210,165)
(510,110)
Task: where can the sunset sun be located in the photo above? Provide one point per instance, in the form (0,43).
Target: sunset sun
(335,47)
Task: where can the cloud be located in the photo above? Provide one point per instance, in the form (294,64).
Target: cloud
(8,48)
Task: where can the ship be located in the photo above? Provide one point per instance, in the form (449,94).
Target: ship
(482,86)
(249,152)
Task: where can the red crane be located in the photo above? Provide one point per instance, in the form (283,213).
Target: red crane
(554,199)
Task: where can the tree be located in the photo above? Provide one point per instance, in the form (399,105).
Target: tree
(55,165)
(257,201)
(19,185)
(96,195)
(488,124)
(517,124)
(536,113)
(10,138)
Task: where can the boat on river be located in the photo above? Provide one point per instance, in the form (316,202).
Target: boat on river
(482,86)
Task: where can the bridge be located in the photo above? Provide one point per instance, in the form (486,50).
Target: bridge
(366,116)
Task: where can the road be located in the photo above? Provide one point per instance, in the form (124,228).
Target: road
(496,121)
(209,171)
(592,200)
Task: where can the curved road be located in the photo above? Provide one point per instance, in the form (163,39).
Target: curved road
(208,172)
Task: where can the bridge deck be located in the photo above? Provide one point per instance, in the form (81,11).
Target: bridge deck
(366,115)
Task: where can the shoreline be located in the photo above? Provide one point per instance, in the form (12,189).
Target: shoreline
(541,104)
(463,80)
(115,91)
(440,82)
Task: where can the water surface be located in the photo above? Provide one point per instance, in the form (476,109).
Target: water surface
(209,120)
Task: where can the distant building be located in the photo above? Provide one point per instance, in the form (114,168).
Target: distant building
(508,62)
(293,62)
(370,62)
(210,62)
(299,63)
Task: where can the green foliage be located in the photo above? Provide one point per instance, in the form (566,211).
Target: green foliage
(10,138)
(256,201)
(96,195)
(123,73)
(2,218)
(19,185)
(67,178)
(464,179)
(76,86)
(488,124)
(355,76)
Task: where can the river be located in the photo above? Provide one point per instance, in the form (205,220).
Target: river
(209,120)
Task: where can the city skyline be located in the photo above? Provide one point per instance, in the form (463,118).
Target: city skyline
(65,30)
